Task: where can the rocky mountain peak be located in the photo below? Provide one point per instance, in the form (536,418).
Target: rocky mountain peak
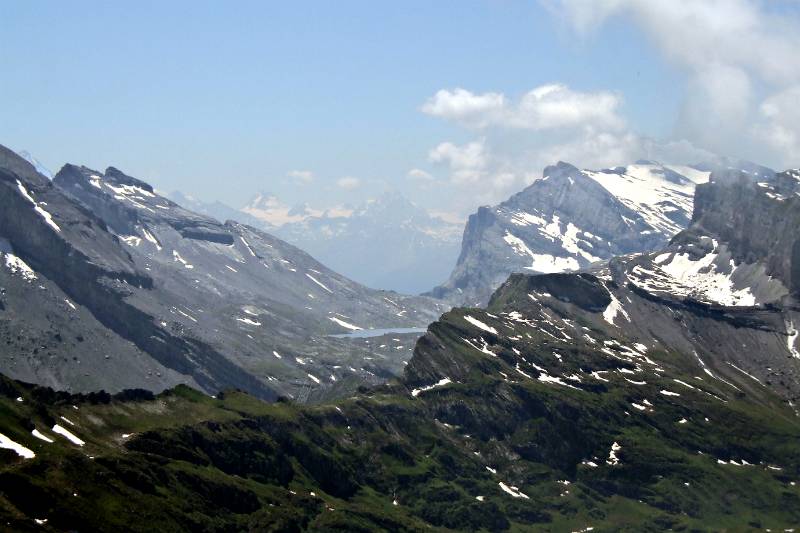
(20,166)
(120,177)
(569,219)
(560,167)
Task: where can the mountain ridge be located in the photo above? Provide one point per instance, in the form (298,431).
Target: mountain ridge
(571,218)
(199,302)
(620,397)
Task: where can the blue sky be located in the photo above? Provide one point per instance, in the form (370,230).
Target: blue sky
(224,100)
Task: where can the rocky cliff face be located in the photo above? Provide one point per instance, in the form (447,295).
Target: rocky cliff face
(740,249)
(758,218)
(721,294)
(568,220)
(197,301)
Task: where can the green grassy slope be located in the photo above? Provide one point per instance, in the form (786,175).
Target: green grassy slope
(534,431)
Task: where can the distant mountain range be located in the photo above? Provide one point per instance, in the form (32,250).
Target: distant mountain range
(218,210)
(275,214)
(40,168)
(387,243)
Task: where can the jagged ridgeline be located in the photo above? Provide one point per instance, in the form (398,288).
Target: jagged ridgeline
(573,218)
(656,392)
(108,285)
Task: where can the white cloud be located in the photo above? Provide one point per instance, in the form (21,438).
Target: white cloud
(547,124)
(463,106)
(522,136)
(467,163)
(500,163)
(449,216)
(302,176)
(779,118)
(348,183)
(543,108)
(743,65)
(556,106)
(696,34)
(419,174)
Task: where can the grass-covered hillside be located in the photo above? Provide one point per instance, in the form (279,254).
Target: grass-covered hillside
(511,418)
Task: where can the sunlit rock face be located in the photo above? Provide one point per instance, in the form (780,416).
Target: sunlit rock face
(569,219)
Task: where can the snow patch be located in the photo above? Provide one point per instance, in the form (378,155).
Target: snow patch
(791,340)
(645,189)
(60,430)
(513,491)
(477,323)
(613,459)
(442,382)
(177,257)
(709,278)
(20,450)
(151,239)
(751,376)
(247,245)
(613,309)
(545,263)
(20,267)
(39,435)
(131,240)
(48,218)
(315,280)
(344,324)
(684,384)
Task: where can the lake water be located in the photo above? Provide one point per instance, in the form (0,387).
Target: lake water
(366,333)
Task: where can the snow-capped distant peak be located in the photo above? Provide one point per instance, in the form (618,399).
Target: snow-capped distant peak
(386,242)
(269,209)
(40,168)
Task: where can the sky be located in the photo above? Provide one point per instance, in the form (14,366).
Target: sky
(453,103)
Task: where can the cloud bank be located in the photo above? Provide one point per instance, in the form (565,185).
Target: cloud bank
(742,99)
(543,108)
(348,183)
(742,60)
(517,138)
(301,176)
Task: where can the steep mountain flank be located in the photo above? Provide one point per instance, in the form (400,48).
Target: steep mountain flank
(758,219)
(188,299)
(568,220)
(65,243)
